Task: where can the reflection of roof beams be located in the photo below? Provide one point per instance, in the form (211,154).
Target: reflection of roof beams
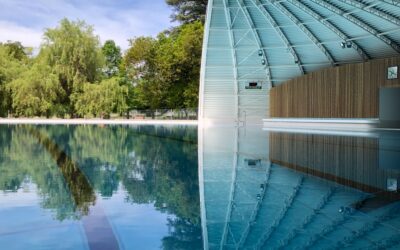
(232,193)
(203,215)
(358,22)
(250,22)
(281,34)
(306,31)
(229,23)
(372,10)
(392,2)
(329,25)
(370,227)
(334,223)
(324,201)
(253,217)
(288,203)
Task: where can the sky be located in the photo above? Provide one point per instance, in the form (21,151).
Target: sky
(120,20)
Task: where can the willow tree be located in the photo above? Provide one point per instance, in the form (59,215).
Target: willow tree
(36,92)
(10,69)
(74,53)
(100,100)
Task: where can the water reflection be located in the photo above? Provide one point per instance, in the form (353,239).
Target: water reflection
(135,184)
(138,188)
(273,190)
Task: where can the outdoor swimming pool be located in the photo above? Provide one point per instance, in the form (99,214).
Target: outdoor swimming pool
(183,187)
(99,187)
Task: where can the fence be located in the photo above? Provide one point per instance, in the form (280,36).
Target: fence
(164,114)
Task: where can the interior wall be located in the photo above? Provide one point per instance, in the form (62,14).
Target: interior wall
(348,91)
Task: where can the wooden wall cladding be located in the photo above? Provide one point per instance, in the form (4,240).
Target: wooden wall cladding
(348,91)
(350,161)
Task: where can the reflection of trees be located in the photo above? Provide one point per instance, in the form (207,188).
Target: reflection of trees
(24,160)
(165,172)
(81,191)
(155,165)
(10,179)
(182,236)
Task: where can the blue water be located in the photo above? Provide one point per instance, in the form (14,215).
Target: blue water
(183,187)
(93,187)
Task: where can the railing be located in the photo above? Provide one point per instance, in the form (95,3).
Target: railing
(164,114)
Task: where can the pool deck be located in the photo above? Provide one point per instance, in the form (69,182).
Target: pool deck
(95,122)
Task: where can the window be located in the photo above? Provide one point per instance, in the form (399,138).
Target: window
(392,72)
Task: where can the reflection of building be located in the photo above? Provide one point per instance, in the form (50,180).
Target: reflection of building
(358,162)
(281,190)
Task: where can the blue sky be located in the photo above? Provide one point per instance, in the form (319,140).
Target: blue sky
(25,20)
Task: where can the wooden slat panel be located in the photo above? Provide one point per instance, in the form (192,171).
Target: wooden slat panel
(348,91)
(351,161)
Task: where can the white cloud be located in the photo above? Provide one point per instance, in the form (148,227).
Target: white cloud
(14,32)
(120,20)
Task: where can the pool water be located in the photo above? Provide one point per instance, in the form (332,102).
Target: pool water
(285,190)
(94,187)
(183,187)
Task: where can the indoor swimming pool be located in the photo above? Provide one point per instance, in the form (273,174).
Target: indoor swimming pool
(183,187)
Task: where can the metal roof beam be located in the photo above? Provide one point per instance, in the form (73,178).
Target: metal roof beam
(279,31)
(257,38)
(329,25)
(333,16)
(229,23)
(275,66)
(306,31)
(372,10)
(307,44)
(358,22)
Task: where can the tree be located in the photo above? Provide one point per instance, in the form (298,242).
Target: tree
(187,11)
(73,52)
(139,58)
(165,71)
(36,92)
(100,100)
(188,49)
(10,68)
(16,50)
(113,58)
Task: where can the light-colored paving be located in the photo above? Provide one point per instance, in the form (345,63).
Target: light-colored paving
(96,121)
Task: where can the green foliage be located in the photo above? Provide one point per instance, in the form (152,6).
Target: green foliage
(166,70)
(10,68)
(74,75)
(36,92)
(187,11)
(113,58)
(153,165)
(74,53)
(100,100)
(16,50)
